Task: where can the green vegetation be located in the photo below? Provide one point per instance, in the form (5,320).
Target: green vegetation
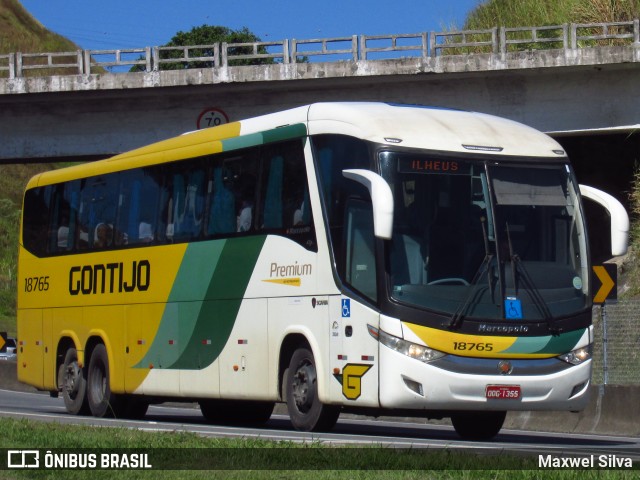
(631,271)
(20,32)
(267,459)
(507,13)
(208,35)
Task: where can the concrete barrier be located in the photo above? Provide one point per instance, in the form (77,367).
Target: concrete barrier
(9,377)
(612,410)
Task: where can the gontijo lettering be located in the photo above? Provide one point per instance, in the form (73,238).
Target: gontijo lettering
(110,278)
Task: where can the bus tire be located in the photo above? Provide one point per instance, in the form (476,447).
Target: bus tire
(136,409)
(231,412)
(102,402)
(72,382)
(306,411)
(478,425)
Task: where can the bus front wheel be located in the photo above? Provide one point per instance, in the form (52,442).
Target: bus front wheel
(73,384)
(306,411)
(478,425)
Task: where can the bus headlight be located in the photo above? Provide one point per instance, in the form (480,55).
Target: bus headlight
(419,352)
(578,356)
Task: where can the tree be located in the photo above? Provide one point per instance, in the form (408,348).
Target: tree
(210,35)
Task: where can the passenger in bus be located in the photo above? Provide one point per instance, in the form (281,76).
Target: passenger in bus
(63,233)
(103,235)
(298,218)
(245,215)
(246,189)
(145,232)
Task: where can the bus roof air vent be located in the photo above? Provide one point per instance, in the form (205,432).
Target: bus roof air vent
(483,148)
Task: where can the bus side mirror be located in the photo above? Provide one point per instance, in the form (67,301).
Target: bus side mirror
(618,214)
(381,200)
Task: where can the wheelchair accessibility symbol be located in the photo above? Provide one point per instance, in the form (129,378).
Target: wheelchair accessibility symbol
(513,308)
(346,307)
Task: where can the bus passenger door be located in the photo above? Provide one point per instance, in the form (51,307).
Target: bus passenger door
(357,351)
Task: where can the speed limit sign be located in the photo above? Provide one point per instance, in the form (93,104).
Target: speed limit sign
(211,117)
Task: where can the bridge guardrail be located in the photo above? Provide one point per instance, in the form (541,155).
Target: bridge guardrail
(498,40)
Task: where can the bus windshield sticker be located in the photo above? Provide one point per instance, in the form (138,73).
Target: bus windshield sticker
(513,308)
(346,307)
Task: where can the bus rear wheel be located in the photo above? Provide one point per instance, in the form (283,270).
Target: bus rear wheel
(478,425)
(73,384)
(306,411)
(101,401)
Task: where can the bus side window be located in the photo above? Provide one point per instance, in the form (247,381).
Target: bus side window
(359,248)
(36,211)
(285,208)
(138,207)
(272,202)
(222,218)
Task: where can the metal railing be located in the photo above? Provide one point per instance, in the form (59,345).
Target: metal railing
(425,45)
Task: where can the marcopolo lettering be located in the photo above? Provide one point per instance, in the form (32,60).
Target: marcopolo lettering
(488,328)
(117,277)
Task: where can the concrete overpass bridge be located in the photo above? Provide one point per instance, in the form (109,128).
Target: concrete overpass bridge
(581,83)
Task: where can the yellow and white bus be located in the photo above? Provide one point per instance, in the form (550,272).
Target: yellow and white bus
(362,257)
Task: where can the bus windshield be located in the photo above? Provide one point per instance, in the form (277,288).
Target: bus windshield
(485,240)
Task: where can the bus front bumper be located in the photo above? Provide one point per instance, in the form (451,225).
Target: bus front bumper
(406,383)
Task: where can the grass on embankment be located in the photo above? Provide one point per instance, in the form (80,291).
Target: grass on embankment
(249,458)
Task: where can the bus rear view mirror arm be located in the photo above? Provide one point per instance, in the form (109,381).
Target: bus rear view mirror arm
(381,200)
(618,214)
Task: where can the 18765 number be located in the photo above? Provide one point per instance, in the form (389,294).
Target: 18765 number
(36,284)
(480,347)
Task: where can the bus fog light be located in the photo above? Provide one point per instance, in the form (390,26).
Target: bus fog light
(419,352)
(578,356)
(413,385)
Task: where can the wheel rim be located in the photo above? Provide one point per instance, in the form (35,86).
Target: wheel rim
(72,380)
(304,387)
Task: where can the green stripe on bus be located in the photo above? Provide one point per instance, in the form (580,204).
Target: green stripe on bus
(223,298)
(217,271)
(276,135)
(563,343)
(285,133)
(183,305)
(548,344)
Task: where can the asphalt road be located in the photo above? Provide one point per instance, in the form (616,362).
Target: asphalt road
(348,431)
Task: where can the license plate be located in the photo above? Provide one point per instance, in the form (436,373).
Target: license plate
(503,392)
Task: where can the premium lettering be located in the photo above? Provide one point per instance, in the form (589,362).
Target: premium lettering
(110,278)
(293,270)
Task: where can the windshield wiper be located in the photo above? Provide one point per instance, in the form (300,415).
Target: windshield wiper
(460,313)
(534,293)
